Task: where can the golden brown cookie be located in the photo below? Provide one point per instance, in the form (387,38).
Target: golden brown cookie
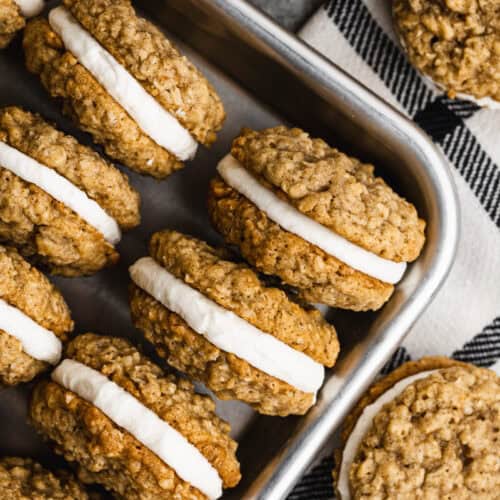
(150,58)
(236,288)
(436,436)
(108,454)
(330,189)
(454,42)
(41,226)
(31,293)
(23,478)
(11,21)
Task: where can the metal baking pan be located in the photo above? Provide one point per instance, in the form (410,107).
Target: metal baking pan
(265,77)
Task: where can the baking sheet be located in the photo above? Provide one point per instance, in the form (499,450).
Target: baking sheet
(99,303)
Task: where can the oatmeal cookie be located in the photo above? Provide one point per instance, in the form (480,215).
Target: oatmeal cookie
(29,291)
(235,288)
(319,277)
(152,60)
(11,21)
(23,479)
(109,455)
(454,42)
(41,226)
(435,436)
(331,190)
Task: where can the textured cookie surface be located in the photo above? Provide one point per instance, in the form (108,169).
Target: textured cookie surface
(335,190)
(22,286)
(11,21)
(110,456)
(23,479)
(90,106)
(153,60)
(455,42)
(437,439)
(100,180)
(319,277)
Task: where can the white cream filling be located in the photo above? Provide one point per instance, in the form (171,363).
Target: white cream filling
(37,341)
(226,330)
(129,413)
(289,218)
(30,8)
(61,189)
(362,426)
(155,121)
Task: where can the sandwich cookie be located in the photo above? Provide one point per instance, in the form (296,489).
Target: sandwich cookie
(319,220)
(122,81)
(60,202)
(34,320)
(13,15)
(428,430)
(132,428)
(23,478)
(455,44)
(216,321)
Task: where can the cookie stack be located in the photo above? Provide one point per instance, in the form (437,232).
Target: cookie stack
(318,219)
(132,428)
(122,81)
(427,430)
(215,320)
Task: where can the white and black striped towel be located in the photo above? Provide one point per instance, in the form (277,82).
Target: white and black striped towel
(464,320)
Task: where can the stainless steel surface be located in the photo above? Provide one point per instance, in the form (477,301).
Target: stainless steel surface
(265,76)
(290,14)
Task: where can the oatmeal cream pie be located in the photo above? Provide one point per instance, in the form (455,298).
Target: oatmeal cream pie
(430,429)
(23,478)
(34,320)
(121,80)
(137,431)
(316,218)
(13,15)
(216,321)
(60,202)
(455,43)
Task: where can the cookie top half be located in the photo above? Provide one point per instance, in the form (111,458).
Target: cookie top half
(141,432)
(430,429)
(454,42)
(34,320)
(336,190)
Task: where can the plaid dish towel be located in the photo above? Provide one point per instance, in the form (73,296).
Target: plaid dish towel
(464,320)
